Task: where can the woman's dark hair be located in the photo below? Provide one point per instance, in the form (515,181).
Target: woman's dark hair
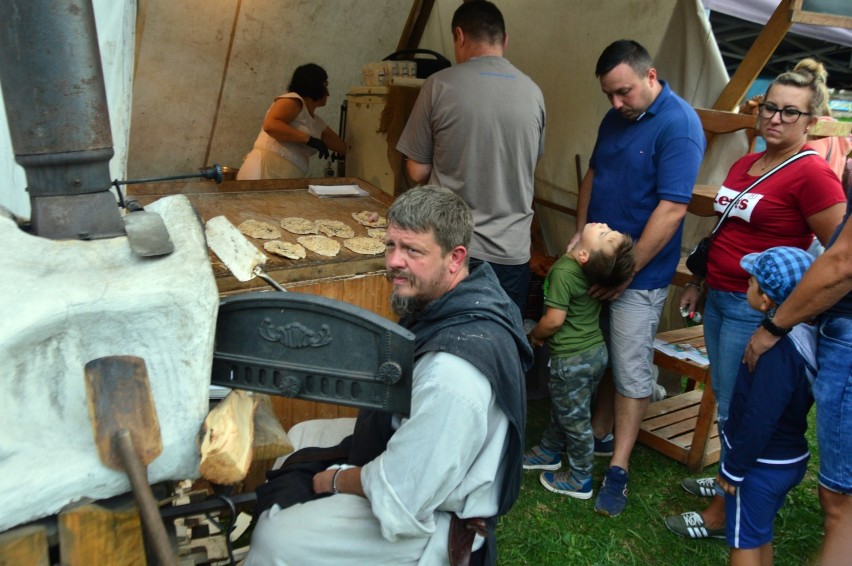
(308,81)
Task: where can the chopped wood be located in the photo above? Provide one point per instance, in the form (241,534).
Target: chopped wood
(270,438)
(228,432)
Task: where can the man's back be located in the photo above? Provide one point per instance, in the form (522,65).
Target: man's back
(481,126)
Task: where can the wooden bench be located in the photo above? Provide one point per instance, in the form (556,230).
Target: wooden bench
(683,426)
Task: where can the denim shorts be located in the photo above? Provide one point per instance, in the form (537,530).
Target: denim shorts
(629,331)
(833,395)
(750,514)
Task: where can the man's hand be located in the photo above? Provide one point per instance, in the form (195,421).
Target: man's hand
(609,293)
(726,487)
(318,145)
(759,343)
(573,243)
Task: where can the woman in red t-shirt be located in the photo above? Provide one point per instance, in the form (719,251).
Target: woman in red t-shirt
(788,208)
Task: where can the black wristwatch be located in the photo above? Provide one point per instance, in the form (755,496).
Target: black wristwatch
(773,329)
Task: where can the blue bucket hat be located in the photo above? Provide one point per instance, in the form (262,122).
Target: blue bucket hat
(778,270)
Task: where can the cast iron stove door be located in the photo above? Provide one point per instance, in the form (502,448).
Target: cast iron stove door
(313,348)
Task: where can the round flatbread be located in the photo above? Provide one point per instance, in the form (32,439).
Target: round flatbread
(286,249)
(320,245)
(377,233)
(369,218)
(298,225)
(260,230)
(335,228)
(366,246)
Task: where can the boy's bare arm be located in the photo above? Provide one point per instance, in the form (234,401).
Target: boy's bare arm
(548,325)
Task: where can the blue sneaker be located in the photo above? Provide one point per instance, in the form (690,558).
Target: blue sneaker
(566,483)
(612,497)
(604,446)
(540,459)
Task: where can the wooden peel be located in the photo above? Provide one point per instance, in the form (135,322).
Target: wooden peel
(127,434)
(238,254)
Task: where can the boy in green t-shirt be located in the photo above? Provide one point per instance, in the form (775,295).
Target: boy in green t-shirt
(578,355)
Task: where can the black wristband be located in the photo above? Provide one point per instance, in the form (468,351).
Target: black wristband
(773,329)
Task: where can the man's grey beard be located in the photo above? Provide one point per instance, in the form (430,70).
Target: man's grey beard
(402,306)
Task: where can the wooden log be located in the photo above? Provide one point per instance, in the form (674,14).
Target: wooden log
(25,545)
(228,431)
(93,534)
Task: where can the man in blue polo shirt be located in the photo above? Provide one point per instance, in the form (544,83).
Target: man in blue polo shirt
(646,158)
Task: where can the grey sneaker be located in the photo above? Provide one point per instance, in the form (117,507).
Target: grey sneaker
(691,525)
(565,483)
(540,459)
(702,487)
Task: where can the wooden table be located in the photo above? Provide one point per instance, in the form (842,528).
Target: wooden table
(350,277)
(683,426)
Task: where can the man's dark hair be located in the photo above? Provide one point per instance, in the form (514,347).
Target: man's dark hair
(481,21)
(611,269)
(308,81)
(624,51)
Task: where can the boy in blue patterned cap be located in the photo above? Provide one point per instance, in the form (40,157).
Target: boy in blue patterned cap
(767,453)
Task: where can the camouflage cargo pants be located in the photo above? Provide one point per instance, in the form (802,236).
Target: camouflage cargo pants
(572,382)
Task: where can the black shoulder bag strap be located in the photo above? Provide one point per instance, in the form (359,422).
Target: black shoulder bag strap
(765,176)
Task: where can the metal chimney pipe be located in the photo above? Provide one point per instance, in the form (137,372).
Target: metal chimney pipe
(53,89)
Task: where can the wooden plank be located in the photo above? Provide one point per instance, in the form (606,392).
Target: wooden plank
(723,122)
(93,534)
(755,60)
(24,546)
(673,404)
(662,445)
(682,334)
(703,199)
(659,422)
(412,33)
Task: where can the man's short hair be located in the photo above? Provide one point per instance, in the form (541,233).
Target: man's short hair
(481,21)
(624,51)
(611,269)
(308,81)
(430,207)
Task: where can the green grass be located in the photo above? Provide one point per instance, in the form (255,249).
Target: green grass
(545,528)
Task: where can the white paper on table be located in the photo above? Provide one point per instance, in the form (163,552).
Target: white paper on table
(337,191)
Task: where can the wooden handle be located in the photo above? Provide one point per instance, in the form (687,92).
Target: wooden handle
(149,512)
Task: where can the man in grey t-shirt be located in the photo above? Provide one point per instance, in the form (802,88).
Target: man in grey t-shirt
(478,129)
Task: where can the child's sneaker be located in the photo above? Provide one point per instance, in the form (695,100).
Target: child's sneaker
(703,487)
(612,497)
(541,459)
(604,446)
(566,484)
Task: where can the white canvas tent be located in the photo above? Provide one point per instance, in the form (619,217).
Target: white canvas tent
(188,83)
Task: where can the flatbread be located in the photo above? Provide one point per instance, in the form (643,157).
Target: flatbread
(335,228)
(366,246)
(320,245)
(363,218)
(286,249)
(377,233)
(298,225)
(260,230)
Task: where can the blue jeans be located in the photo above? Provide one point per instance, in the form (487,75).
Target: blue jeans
(833,395)
(729,322)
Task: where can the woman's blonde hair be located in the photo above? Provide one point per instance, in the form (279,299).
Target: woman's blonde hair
(811,74)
